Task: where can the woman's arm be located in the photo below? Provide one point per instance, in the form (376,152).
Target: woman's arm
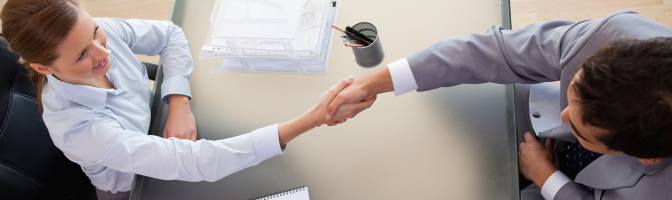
(150,37)
(100,139)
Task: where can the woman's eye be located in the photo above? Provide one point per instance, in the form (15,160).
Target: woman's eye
(82,55)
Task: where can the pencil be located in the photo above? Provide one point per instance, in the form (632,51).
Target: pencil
(354,45)
(353,36)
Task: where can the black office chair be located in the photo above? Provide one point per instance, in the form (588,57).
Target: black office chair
(31,167)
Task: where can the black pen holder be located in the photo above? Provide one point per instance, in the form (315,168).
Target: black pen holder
(372,54)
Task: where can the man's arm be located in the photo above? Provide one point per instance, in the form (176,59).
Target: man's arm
(574,191)
(529,55)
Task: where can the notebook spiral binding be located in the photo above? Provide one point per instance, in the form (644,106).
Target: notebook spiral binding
(281,193)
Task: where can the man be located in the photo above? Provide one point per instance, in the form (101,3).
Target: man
(617,103)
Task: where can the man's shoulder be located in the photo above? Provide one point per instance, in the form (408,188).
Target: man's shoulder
(632,25)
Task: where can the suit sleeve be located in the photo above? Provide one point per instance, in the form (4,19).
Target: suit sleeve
(574,191)
(163,38)
(529,55)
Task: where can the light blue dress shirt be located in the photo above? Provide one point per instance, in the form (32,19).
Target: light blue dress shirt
(105,130)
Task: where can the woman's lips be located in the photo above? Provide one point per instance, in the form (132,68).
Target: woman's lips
(102,63)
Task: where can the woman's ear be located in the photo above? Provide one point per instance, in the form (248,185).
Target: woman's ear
(649,161)
(39,68)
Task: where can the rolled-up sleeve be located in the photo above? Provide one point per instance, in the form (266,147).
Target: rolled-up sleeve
(163,38)
(101,140)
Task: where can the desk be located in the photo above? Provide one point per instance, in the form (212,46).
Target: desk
(449,143)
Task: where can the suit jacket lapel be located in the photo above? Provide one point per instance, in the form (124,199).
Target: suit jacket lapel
(610,172)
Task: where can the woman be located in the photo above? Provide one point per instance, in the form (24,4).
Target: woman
(94,95)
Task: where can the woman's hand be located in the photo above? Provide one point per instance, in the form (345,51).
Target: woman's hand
(317,113)
(181,123)
(315,116)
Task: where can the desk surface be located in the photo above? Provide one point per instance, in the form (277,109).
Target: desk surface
(448,143)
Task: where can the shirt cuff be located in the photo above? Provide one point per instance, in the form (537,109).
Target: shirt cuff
(175,85)
(553,185)
(402,77)
(266,142)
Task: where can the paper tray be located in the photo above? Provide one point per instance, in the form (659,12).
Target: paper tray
(278,61)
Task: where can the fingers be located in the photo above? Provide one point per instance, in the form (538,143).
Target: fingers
(530,138)
(351,110)
(331,94)
(333,106)
(334,90)
(193,137)
(550,142)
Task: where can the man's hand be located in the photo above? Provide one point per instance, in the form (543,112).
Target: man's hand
(343,112)
(362,89)
(181,123)
(314,117)
(535,160)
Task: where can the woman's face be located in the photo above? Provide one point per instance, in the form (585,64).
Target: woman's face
(82,56)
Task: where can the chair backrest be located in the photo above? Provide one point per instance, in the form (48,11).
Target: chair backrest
(31,167)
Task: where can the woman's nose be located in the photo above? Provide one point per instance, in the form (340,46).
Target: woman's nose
(99,51)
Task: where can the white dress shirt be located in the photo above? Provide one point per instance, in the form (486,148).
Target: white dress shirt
(105,130)
(404,82)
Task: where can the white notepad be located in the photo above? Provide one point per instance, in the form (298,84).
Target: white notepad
(298,193)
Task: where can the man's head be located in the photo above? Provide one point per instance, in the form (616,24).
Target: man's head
(620,102)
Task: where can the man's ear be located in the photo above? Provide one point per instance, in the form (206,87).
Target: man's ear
(41,68)
(649,161)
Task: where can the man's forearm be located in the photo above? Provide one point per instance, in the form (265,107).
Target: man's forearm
(379,81)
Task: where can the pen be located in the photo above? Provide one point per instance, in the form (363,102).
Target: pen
(353,36)
(358,34)
(354,45)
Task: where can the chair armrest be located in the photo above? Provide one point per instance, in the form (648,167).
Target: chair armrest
(151,69)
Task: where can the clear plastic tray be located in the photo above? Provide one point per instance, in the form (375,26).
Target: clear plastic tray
(283,59)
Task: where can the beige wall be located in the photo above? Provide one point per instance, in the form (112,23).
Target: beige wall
(141,9)
(524,12)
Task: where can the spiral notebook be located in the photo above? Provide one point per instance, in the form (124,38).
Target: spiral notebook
(297,193)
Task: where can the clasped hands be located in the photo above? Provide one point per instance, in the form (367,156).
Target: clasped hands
(342,101)
(348,101)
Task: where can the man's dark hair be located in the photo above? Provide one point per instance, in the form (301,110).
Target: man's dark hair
(626,88)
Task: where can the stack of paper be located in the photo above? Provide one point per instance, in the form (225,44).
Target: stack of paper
(271,36)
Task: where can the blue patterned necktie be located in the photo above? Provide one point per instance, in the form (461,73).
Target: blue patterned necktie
(574,158)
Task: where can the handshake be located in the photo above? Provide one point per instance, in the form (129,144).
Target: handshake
(349,97)
(342,101)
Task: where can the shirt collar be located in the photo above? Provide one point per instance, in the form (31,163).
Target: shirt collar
(92,97)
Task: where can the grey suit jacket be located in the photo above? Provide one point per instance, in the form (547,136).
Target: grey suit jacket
(544,52)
